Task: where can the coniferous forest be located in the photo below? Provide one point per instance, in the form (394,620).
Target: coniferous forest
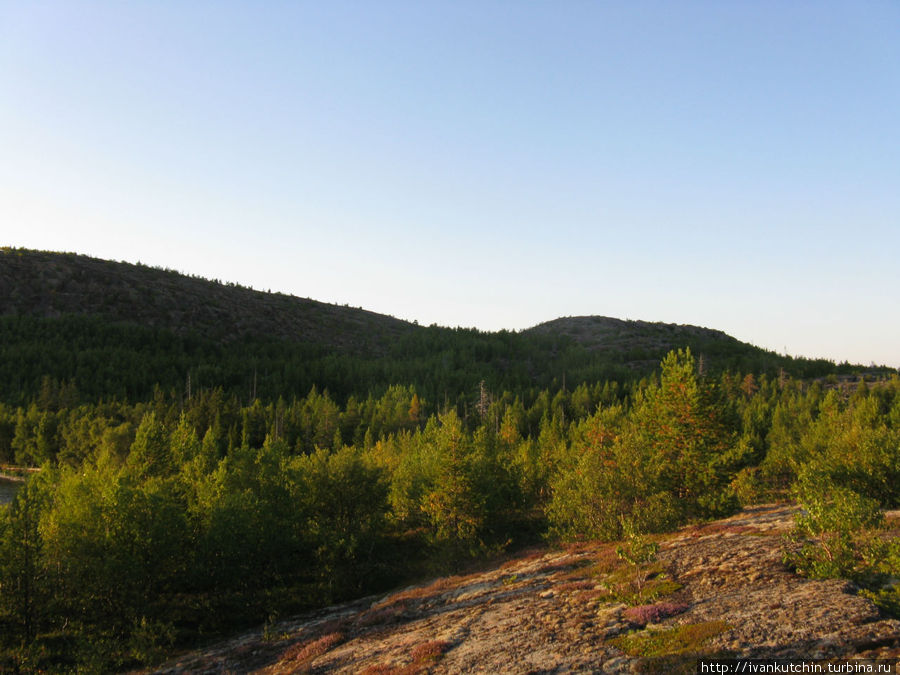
(192,484)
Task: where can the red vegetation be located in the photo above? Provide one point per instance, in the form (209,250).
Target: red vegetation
(644,614)
(307,651)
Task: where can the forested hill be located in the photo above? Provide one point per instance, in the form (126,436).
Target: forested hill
(641,341)
(52,285)
(111,329)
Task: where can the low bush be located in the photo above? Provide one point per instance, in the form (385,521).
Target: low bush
(835,533)
(644,614)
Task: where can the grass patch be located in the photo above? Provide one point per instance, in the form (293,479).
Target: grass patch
(633,584)
(641,585)
(685,639)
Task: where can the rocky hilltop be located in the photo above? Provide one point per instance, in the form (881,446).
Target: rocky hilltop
(603,333)
(718,589)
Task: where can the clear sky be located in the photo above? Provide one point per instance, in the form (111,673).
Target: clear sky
(734,165)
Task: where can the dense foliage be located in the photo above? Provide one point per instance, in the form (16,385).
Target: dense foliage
(158,522)
(92,358)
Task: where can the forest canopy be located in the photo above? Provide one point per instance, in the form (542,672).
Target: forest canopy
(155,522)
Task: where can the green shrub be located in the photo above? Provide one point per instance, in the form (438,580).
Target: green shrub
(835,534)
(748,486)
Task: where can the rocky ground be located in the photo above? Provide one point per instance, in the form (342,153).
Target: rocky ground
(718,590)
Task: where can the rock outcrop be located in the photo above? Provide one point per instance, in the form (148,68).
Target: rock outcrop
(718,589)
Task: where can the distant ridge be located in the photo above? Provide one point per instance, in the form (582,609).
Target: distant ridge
(124,330)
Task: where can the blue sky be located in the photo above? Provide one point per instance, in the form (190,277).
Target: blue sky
(734,165)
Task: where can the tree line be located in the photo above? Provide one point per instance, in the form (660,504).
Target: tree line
(94,358)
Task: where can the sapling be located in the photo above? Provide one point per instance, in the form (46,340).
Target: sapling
(637,550)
